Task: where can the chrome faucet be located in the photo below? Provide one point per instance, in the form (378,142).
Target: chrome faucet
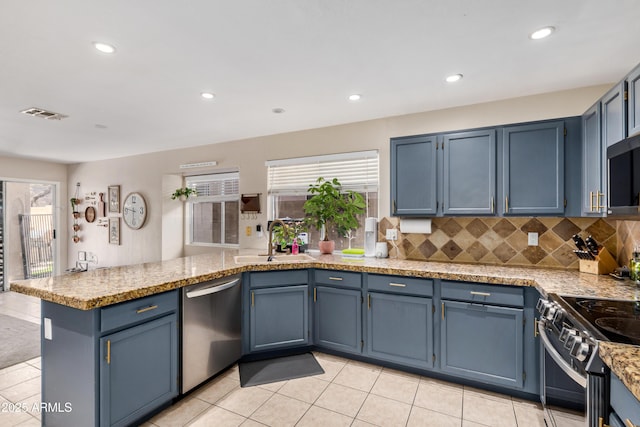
(274,222)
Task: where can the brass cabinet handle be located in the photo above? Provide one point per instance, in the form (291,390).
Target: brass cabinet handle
(599,206)
(481,294)
(506,204)
(108,352)
(143,310)
(442,311)
(629,423)
(315,294)
(398,285)
(253,299)
(369,301)
(395,209)
(338,279)
(535,328)
(492,205)
(601,422)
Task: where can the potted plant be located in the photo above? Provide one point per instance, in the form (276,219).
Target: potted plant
(183,193)
(283,237)
(331,208)
(74,203)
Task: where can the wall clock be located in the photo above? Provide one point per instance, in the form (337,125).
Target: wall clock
(134,210)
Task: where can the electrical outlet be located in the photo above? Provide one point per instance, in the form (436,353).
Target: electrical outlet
(82,256)
(533,239)
(392,234)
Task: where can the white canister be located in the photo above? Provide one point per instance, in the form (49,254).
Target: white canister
(381,250)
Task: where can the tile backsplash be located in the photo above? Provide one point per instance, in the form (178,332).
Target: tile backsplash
(504,241)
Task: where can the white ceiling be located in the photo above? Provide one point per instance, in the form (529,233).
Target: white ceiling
(305,56)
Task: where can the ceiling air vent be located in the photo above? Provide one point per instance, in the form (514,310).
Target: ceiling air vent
(44,114)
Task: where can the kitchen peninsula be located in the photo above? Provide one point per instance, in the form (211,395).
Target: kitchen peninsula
(84,295)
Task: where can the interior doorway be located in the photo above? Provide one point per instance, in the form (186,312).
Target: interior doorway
(27,231)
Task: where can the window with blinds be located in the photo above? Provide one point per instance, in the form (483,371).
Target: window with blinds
(289,180)
(213,216)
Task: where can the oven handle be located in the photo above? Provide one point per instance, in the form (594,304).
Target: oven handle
(582,381)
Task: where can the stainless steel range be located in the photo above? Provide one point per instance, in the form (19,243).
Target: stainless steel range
(570,328)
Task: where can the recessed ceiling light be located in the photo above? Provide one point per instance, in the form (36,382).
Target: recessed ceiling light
(207,95)
(541,33)
(104,47)
(355,97)
(453,78)
(278,110)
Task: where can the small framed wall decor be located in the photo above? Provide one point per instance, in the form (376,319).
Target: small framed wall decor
(114,230)
(114,198)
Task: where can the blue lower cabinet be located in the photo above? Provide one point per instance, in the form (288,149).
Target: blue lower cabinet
(400,329)
(138,370)
(338,319)
(279,317)
(482,342)
(625,408)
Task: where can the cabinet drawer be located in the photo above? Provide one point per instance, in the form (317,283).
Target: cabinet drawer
(340,278)
(278,278)
(400,285)
(131,312)
(480,293)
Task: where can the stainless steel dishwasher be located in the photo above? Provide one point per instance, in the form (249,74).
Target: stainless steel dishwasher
(211,318)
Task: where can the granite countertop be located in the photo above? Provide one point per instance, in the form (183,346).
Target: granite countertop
(103,287)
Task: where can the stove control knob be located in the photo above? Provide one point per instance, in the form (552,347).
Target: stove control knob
(551,311)
(558,316)
(541,305)
(567,334)
(581,350)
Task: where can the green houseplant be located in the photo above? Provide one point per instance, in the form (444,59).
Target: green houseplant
(332,208)
(183,193)
(283,237)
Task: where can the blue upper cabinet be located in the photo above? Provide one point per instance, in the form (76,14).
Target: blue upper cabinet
(614,115)
(533,169)
(469,172)
(413,176)
(593,157)
(633,87)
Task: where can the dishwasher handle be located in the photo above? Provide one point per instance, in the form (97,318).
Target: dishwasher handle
(212,289)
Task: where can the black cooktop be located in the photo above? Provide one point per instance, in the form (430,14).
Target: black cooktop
(619,321)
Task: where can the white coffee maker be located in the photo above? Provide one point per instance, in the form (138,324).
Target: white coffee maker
(370,236)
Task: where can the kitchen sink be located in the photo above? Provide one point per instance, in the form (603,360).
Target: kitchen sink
(251,259)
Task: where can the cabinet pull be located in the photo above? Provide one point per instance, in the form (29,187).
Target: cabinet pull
(628,423)
(394,206)
(442,311)
(369,301)
(599,206)
(252,299)
(338,279)
(506,204)
(144,310)
(481,294)
(108,352)
(315,294)
(398,285)
(601,422)
(535,328)
(492,205)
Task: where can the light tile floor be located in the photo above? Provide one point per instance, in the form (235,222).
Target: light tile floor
(349,393)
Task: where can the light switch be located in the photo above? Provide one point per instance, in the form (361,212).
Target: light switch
(533,239)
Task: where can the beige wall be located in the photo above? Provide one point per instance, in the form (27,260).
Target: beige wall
(17,169)
(155,174)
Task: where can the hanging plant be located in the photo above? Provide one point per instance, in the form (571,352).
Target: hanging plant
(183,193)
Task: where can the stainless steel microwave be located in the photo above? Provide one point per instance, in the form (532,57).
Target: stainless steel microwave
(624,177)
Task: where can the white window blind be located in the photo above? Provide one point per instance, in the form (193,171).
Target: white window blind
(356,171)
(215,185)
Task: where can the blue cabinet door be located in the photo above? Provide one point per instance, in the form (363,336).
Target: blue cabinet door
(469,172)
(338,319)
(533,169)
(138,370)
(593,158)
(279,317)
(413,176)
(614,115)
(633,88)
(400,329)
(482,342)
